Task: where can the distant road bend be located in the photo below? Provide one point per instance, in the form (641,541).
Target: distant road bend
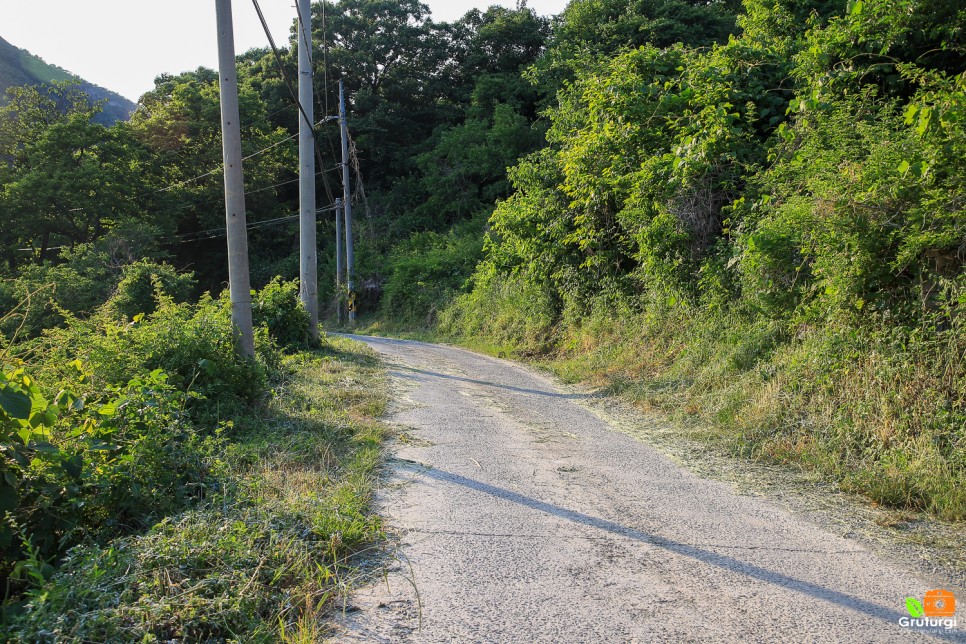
(524,517)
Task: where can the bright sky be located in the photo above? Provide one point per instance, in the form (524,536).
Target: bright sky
(123,44)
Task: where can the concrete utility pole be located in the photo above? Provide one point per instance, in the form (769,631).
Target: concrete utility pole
(308,249)
(339,270)
(239,281)
(347,206)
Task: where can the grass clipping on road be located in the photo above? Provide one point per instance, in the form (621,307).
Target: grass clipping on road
(264,557)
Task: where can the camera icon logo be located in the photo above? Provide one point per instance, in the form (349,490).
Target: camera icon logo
(939,603)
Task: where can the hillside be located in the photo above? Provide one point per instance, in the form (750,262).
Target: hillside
(20,67)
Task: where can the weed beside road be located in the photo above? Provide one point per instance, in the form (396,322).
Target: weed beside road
(263,556)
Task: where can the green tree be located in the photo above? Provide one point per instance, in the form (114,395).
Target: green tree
(180,122)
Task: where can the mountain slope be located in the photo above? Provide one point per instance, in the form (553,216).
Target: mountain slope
(20,67)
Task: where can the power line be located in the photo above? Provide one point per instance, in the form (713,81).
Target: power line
(291,181)
(218,233)
(213,233)
(222,166)
(274,145)
(288,83)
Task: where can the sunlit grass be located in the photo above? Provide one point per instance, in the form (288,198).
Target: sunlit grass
(264,557)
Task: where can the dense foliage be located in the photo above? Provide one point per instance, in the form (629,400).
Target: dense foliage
(792,197)
(752,213)
(110,422)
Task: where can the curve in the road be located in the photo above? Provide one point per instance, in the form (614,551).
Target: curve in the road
(524,517)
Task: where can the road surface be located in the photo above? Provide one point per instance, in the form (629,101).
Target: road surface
(521,516)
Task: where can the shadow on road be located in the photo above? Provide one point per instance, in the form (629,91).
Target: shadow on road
(522,390)
(436,374)
(699,554)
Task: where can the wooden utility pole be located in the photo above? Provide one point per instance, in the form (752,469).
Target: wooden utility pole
(347,206)
(239,281)
(339,270)
(308,249)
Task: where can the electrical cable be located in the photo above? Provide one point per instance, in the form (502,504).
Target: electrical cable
(219,233)
(291,89)
(285,183)
(222,166)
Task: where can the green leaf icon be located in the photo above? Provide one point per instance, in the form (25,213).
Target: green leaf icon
(914,606)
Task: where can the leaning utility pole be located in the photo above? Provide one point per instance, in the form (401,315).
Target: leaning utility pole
(239,281)
(347,206)
(339,270)
(308,250)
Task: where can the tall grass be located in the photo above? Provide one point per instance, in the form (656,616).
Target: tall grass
(881,410)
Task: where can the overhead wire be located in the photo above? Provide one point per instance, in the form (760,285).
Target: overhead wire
(295,98)
(291,181)
(218,233)
(222,166)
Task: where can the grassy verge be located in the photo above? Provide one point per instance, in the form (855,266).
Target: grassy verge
(882,418)
(880,413)
(262,557)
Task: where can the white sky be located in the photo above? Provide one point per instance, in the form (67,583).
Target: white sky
(123,44)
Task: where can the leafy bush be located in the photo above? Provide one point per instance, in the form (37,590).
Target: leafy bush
(279,308)
(141,284)
(41,296)
(509,311)
(129,437)
(79,282)
(427,270)
(193,344)
(93,464)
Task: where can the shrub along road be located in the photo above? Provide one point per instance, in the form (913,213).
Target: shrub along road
(522,516)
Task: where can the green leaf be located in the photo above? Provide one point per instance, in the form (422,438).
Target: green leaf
(925,115)
(74,466)
(914,606)
(97,445)
(45,448)
(15,404)
(45,418)
(208,366)
(910,114)
(107,410)
(9,497)
(904,167)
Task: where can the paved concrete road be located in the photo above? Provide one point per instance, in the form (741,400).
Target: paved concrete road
(523,517)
